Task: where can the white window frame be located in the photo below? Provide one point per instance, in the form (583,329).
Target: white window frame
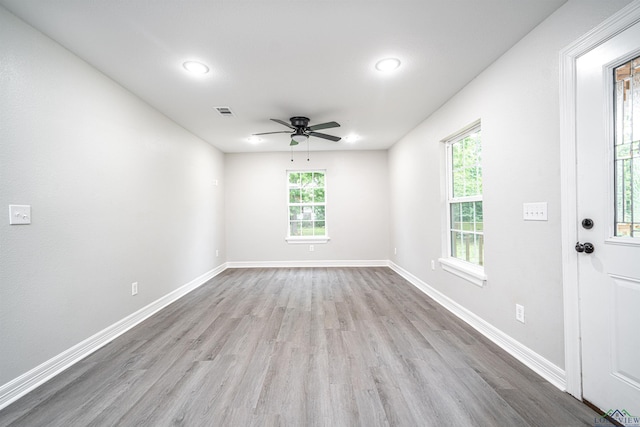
(470,272)
(306,239)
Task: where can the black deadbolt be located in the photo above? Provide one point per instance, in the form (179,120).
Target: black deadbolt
(587,223)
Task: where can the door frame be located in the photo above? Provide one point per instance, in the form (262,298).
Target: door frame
(617,23)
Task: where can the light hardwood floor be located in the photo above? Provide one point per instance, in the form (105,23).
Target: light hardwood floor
(300,347)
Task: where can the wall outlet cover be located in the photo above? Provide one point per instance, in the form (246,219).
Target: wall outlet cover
(520,313)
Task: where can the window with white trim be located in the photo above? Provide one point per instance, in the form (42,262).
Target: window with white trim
(464,210)
(307,204)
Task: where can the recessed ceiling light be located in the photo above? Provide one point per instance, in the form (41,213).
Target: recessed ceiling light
(253,139)
(351,138)
(387,64)
(195,67)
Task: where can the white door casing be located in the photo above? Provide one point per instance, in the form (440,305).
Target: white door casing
(608,276)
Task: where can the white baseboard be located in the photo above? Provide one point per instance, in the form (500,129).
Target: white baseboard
(308,263)
(15,389)
(543,367)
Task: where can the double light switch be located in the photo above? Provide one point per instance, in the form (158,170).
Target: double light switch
(19,214)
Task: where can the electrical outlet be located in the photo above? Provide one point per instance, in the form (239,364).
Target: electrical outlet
(134,288)
(433,264)
(520,313)
(311,248)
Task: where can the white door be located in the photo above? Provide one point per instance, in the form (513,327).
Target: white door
(608,179)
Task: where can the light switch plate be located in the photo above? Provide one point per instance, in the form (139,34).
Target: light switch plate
(534,211)
(19,214)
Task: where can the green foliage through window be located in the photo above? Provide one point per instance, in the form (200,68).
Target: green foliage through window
(466,155)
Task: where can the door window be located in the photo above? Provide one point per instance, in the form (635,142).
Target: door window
(627,149)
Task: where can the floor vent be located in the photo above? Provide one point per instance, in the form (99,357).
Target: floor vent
(224,111)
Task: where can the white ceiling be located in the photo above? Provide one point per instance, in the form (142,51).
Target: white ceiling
(283,58)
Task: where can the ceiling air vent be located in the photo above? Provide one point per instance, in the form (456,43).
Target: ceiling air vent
(224,111)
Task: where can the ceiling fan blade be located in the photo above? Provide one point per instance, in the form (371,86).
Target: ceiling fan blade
(293,142)
(268,133)
(282,122)
(324,126)
(325,136)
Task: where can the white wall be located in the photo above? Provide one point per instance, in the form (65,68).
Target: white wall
(119,193)
(517,99)
(357,206)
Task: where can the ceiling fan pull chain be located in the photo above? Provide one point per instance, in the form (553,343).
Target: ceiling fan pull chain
(292,154)
(307,149)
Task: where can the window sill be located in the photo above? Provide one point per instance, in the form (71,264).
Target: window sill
(308,239)
(470,272)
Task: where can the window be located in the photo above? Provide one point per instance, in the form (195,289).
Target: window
(627,149)
(307,205)
(464,210)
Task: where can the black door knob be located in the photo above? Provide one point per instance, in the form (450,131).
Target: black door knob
(587,223)
(586,247)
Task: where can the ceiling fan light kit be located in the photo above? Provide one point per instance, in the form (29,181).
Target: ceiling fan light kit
(299,137)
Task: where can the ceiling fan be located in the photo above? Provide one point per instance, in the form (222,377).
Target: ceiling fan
(302,131)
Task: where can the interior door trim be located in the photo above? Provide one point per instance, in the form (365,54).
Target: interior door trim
(617,23)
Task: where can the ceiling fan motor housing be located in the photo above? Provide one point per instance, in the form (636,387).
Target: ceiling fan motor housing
(299,122)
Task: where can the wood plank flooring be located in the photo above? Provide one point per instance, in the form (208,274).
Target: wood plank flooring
(300,347)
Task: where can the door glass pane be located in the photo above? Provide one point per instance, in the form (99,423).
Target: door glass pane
(627,149)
